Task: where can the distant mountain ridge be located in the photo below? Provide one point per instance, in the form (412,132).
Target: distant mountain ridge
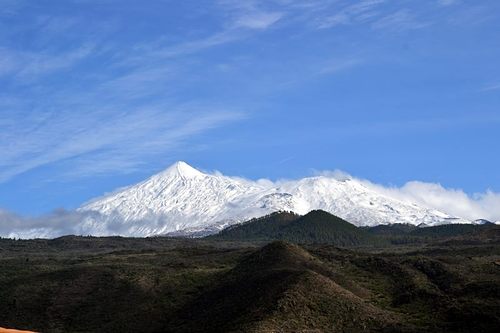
(185,201)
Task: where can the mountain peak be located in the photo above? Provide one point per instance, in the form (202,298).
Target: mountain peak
(184,199)
(184,170)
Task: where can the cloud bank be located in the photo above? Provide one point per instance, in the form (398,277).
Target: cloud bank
(58,223)
(454,202)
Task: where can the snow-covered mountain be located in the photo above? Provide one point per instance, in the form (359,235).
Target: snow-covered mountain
(184,200)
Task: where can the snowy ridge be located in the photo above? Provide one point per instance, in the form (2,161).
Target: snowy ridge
(182,200)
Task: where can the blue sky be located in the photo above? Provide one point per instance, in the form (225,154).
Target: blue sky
(97,94)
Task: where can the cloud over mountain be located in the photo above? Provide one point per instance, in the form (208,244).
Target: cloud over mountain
(453,201)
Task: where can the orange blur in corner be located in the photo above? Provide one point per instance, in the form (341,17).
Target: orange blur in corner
(6,330)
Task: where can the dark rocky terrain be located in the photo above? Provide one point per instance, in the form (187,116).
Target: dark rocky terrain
(401,280)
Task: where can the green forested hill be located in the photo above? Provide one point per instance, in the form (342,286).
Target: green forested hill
(320,227)
(315,227)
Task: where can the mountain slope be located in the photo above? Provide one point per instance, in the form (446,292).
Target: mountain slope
(183,200)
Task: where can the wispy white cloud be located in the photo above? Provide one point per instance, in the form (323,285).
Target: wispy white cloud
(242,22)
(334,66)
(31,65)
(491,87)
(79,120)
(250,14)
(377,15)
(99,142)
(400,20)
(193,46)
(112,120)
(352,13)
(258,20)
(40,63)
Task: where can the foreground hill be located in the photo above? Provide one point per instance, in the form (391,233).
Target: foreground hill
(281,286)
(88,284)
